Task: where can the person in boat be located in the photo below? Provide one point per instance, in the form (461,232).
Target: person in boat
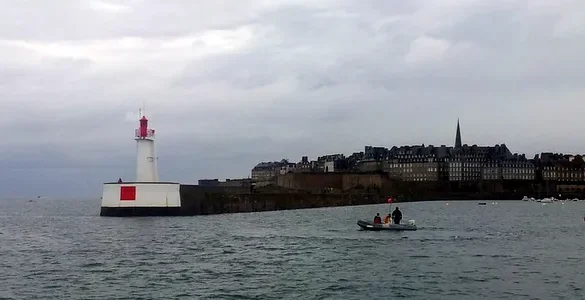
(377,219)
(387,219)
(396,216)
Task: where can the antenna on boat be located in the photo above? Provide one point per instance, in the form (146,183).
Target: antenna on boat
(389,200)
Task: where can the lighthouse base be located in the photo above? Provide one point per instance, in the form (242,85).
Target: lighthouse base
(141,199)
(139,211)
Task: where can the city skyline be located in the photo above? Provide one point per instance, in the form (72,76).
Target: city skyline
(458,142)
(227,85)
(461,163)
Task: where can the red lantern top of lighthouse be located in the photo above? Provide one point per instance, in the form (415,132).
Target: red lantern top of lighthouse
(143,132)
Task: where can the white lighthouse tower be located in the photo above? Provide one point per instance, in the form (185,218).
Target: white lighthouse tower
(146,196)
(146,166)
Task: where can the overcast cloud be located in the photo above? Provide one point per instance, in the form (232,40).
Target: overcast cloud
(230,83)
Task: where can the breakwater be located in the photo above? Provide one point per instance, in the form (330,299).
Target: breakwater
(198,200)
(431,190)
(204,200)
(299,191)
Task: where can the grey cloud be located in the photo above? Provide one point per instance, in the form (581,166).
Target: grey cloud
(243,70)
(315,78)
(79,20)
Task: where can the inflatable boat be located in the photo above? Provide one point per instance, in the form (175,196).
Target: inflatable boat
(365,225)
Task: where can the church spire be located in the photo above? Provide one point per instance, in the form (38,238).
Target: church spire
(458,136)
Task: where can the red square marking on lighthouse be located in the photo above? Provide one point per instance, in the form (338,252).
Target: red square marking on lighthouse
(127,193)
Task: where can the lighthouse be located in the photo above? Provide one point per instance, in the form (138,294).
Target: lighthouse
(146,196)
(146,166)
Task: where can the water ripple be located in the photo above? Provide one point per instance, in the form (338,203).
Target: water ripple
(460,252)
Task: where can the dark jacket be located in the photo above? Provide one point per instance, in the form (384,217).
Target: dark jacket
(397,215)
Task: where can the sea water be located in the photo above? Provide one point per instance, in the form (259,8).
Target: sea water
(62,249)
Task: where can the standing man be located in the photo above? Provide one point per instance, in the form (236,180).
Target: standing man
(396,216)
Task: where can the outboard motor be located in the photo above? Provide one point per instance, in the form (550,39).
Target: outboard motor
(411,222)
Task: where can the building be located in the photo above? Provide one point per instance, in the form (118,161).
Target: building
(559,167)
(243,182)
(306,166)
(375,153)
(518,168)
(333,163)
(458,137)
(369,165)
(491,170)
(208,182)
(353,161)
(414,163)
(266,171)
(286,167)
(459,163)
(474,163)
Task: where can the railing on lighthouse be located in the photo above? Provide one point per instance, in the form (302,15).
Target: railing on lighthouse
(148,134)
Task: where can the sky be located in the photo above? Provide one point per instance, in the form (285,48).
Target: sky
(227,84)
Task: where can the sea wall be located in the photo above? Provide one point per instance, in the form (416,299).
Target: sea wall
(332,180)
(297,191)
(197,200)
(481,190)
(430,190)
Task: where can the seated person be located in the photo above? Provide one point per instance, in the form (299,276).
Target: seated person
(377,219)
(387,219)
